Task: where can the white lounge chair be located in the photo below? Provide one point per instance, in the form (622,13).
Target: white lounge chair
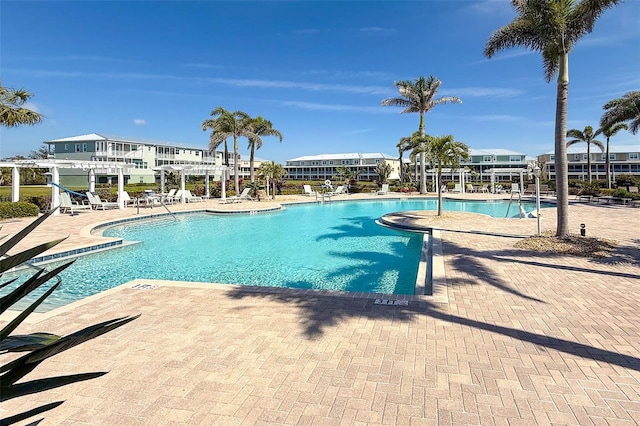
(97,203)
(127,200)
(190,198)
(515,188)
(68,204)
(384,190)
(457,187)
(169,197)
(338,191)
(308,191)
(244,195)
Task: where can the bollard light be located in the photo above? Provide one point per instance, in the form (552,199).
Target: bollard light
(583,229)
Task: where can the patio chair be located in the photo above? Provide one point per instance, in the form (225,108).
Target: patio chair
(127,200)
(384,190)
(97,203)
(169,197)
(244,195)
(469,188)
(531,189)
(190,198)
(457,187)
(308,191)
(338,191)
(515,188)
(68,204)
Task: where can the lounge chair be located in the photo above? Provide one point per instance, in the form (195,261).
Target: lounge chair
(169,197)
(338,191)
(244,196)
(515,188)
(469,188)
(97,203)
(384,190)
(68,204)
(308,191)
(127,200)
(531,189)
(190,198)
(457,187)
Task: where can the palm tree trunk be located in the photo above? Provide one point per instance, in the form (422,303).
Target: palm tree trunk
(562,170)
(608,166)
(423,159)
(589,161)
(251,156)
(439,190)
(236,167)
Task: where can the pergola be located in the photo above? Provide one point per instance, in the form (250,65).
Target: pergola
(519,172)
(189,169)
(462,175)
(54,166)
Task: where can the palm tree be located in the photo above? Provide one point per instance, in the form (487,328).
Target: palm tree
(587,136)
(417,96)
(224,125)
(274,172)
(624,109)
(444,151)
(552,27)
(608,132)
(12,112)
(261,127)
(383,170)
(407,143)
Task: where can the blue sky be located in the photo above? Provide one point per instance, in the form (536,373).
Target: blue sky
(154,70)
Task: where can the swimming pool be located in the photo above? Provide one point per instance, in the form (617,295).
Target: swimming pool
(333,246)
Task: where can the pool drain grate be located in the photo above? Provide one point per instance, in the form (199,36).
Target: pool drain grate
(144,286)
(391,302)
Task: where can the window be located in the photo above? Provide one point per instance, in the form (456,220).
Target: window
(576,157)
(611,156)
(324,163)
(77,147)
(584,156)
(84,147)
(486,158)
(66,147)
(514,158)
(331,162)
(632,156)
(134,147)
(552,157)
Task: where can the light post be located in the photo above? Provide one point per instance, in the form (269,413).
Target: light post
(536,174)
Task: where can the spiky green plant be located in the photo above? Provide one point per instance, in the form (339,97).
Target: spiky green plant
(37,346)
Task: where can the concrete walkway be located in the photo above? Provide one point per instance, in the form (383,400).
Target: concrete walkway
(526,338)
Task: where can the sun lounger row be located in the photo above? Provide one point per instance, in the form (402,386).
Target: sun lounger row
(244,196)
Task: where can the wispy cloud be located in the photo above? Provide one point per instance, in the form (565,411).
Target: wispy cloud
(283,84)
(483,92)
(311,106)
(492,8)
(205,66)
(139,122)
(377,30)
(500,56)
(496,118)
(358,132)
(307,31)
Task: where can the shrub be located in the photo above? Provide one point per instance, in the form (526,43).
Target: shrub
(37,347)
(627,180)
(20,209)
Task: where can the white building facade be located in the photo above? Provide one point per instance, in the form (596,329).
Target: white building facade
(323,166)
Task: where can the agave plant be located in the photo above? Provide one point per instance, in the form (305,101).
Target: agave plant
(37,346)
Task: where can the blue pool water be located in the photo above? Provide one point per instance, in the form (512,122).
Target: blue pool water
(334,246)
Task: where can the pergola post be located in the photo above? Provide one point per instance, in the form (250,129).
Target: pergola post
(493,182)
(207,192)
(15,184)
(223,182)
(120,188)
(92,180)
(55,193)
(182,179)
(162,181)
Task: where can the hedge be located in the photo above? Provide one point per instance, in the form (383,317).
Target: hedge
(18,209)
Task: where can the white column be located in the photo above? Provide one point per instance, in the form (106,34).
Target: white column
(92,180)
(207,192)
(493,182)
(461,175)
(161,181)
(120,188)
(182,197)
(15,184)
(55,193)
(223,182)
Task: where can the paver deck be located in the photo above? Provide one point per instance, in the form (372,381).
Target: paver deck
(526,338)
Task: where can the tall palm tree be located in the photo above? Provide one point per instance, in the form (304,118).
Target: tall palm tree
(608,132)
(623,109)
(418,96)
(552,27)
(445,151)
(589,137)
(12,111)
(225,124)
(274,172)
(261,127)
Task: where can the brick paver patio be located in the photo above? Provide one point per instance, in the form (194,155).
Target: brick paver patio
(525,338)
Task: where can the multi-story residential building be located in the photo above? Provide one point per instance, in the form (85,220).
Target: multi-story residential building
(624,159)
(323,166)
(482,161)
(147,156)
